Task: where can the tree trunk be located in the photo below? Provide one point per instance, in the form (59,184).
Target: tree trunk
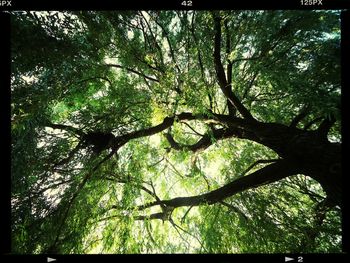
(310,151)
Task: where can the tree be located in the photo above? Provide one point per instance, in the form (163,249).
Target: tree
(176,131)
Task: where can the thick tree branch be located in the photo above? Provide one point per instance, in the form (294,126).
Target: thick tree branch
(231,108)
(167,123)
(204,142)
(224,85)
(267,175)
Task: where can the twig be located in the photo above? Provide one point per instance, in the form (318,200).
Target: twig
(256,163)
(183,218)
(189,126)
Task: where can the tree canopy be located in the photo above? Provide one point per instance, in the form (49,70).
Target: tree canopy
(175,132)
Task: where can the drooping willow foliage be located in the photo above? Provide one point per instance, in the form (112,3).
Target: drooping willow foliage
(173,131)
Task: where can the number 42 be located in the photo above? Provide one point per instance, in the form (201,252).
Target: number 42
(186,3)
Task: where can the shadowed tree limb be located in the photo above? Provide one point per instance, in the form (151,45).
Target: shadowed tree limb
(184,216)
(231,108)
(326,125)
(70,155)
(258,162)
(132,71)
(204,142)
(267,175)
(303,113)
(119,141)
(308,125)
(68,128)
(220,73)
(189,126)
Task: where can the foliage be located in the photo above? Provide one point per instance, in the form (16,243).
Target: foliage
(126,71)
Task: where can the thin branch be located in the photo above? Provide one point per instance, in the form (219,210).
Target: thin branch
(157,198)
(172,53)
(200,62)
(184,217)
(174,168)
(132,71)
(302,114)
(256,163)
(189,126)
(37,193)
(231,109)
(88,79)
(68,128)
(157,162)
(235,209)
(70,155)
(250,85)
(187,232)
(308,125)
(124,181)
(150,235)
(153,37)
(176,226)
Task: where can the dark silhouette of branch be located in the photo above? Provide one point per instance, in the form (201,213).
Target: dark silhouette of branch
(155,42)
(223,83)
(234,209)
(189,126)
(204,142)
(231,109)
(133,71)
(308,125)
(184,216)
(200,63)
(256,163)
(246,91)
(172,53)
(70,155)
(302,114)
(68,128)
(326,125)
(266,175)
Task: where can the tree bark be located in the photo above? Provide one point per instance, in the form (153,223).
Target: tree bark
(308,151)
(267,175)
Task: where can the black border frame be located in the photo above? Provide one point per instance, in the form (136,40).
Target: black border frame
(32,5)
